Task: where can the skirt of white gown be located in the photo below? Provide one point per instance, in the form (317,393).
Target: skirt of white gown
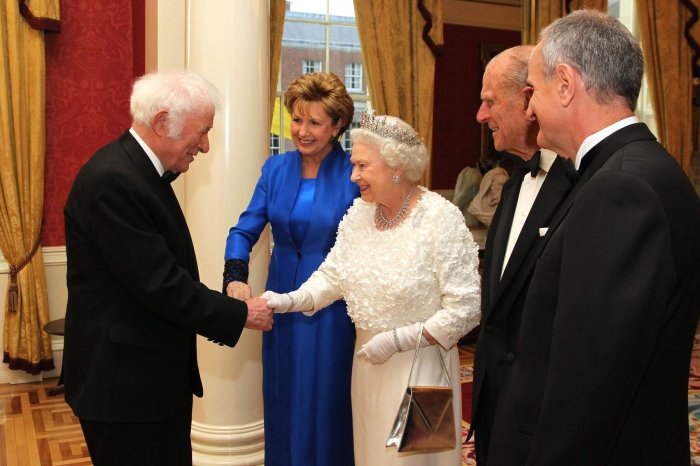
(377,391)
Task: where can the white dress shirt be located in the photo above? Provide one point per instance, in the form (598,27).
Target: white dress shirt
(529,189)
(595,138)
(151,155)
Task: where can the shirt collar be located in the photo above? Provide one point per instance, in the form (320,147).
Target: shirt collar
(595,138)
(151,155)
(546,159)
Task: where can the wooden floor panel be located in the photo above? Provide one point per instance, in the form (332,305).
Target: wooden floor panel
(38,429)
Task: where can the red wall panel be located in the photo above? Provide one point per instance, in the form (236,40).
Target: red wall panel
(89,71)
(456,134)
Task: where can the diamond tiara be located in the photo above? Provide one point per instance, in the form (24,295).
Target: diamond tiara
(381,127)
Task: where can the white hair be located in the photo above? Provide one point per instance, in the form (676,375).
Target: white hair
(181,92)
(412,159)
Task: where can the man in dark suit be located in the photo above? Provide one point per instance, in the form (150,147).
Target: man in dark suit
(528,202)
(135,303)
(600,367)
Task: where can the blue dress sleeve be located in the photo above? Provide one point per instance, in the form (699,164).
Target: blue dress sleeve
(243,236)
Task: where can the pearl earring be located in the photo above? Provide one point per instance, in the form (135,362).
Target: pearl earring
(396,179)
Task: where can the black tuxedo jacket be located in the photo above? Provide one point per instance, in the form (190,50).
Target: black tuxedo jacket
(600,365)
(502,298)
(135,303)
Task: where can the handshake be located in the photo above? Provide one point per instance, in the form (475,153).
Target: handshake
(377,350)
(261,308)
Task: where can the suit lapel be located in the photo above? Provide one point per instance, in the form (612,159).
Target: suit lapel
(327,198)
(503,219)
(165,192)
(600,154)
(554,189)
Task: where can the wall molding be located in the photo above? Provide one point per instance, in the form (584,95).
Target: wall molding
(53,255)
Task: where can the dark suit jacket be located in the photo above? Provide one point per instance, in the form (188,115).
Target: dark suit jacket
(502,299)
(600,366)
(134,299)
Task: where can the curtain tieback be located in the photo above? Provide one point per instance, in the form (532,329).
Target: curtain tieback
(12,289)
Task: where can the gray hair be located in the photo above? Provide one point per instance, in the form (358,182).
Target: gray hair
(601,48)
(514,75)
(180,92)
(412,159)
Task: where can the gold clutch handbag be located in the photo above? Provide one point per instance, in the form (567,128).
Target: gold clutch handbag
(425,420)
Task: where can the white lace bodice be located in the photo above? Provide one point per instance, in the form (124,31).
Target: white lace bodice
(424,270)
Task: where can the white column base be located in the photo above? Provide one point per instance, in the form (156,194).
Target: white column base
(214,445)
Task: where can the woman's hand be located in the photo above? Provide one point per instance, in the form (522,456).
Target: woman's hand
(383,345)
(239,290)
(294,301)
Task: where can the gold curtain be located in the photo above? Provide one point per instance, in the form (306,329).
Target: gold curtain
(277,12)
(399,61)
(668,69)
(22,99)
(537,14)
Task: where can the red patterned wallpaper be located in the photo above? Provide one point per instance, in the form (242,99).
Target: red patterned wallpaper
(89,71)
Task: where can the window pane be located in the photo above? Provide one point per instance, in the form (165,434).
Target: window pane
(301,42)
(346,57)
(319,35)
(311,66)
(342,8)
(274,144)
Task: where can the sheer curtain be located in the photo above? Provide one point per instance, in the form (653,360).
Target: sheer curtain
(22,98)
(399,40)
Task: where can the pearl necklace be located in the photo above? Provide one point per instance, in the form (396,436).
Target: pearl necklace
(386,224)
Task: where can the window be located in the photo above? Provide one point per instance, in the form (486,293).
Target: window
(625,11)
(318,36)
(311,66)
(353,77)
(347,142)
(274,144)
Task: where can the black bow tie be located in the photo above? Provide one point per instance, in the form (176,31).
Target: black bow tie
(169,177)
(533,165)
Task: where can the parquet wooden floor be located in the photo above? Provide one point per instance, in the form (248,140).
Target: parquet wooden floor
(38,429)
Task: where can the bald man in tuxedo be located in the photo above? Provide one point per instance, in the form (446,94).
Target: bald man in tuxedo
(528,202)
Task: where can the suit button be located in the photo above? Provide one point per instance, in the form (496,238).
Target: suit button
(510,357)
(490,328)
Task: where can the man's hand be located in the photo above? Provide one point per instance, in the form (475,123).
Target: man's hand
(259,315)
(239,290)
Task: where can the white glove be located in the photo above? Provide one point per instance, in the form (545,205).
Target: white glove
(294,301)
(383,345)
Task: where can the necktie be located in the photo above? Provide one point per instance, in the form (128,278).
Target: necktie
(533,165)
(169,177)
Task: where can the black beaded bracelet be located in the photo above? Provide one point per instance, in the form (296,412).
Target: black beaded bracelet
(235,270)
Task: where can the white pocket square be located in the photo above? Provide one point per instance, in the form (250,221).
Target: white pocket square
(543,231)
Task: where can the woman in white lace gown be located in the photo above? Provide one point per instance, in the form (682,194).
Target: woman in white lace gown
(403,257)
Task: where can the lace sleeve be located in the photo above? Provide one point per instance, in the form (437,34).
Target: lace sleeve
(456,267)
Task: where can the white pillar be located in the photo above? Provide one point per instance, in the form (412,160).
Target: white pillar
(228,43)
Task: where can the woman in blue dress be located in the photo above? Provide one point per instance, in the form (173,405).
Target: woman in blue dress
(307,362)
